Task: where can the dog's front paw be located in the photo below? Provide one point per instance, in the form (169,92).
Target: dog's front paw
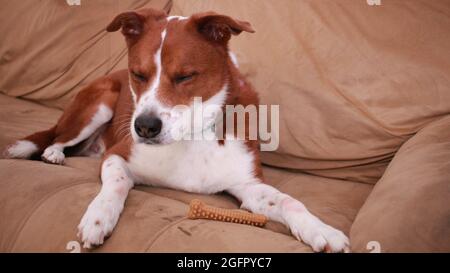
(98,222)
(53,155)
(321,237)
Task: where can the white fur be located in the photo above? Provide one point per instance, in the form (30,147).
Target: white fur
(233,58)
(193,166)
(148,101)
(54,153)
(179,126)
(103,213)
(264,199)
(133,93)
(21,149)
(176,17)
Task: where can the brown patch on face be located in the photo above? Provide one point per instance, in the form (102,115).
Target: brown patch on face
(141,58)
(142,30)
(193,59)
(186,53)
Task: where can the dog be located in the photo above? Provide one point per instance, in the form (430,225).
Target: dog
(126,118)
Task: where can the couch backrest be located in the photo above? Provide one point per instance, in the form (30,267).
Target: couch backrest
(353,81)
(50,49)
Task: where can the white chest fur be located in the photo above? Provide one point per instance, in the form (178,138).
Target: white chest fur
(193,166)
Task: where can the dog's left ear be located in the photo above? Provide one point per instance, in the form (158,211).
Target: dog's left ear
(132,24)
(219,28)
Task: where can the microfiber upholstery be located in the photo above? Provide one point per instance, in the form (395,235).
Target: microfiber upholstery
(51,50)
(408,209)
(364,124)
(353,81)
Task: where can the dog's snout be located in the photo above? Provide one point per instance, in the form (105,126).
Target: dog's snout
(147,126)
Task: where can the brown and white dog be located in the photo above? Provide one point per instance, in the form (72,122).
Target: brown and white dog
(126,117)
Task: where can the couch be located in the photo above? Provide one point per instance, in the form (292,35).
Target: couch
(364,95)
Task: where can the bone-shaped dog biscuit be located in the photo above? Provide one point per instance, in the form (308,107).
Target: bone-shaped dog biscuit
(199,210)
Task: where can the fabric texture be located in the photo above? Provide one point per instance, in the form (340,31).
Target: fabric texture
(364,124)
(353,81)
(42,204)
(51,50)
(408,209)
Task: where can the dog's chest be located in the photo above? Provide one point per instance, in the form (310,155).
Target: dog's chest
(193,166)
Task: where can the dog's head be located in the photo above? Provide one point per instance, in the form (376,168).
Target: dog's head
(171,61)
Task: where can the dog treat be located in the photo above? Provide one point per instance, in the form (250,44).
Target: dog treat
(199,210)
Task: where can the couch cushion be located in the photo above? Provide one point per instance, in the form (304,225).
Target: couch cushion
(408,210)
(353,81)
(335,202)
(19,118)
(50,50)
(42,204)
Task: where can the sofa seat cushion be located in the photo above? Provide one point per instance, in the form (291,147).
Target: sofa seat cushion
(409,208)
(42,205)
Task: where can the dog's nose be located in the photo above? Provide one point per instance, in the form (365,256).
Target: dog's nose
(147,126)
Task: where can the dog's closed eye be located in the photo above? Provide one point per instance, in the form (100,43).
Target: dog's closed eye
(139,76)
(181,78)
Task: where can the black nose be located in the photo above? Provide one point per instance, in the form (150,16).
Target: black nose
(147,126)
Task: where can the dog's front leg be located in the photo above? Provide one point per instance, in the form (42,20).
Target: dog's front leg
(277,206)
(103,213)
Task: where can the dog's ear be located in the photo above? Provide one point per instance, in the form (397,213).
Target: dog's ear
(219,28)
(131,22)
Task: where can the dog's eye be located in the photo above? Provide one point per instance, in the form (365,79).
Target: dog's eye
(184,78)
(140,77)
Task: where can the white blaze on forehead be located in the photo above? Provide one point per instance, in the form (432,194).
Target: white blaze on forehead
(233,58)
(158,63)
(148,101)
(176,17)
(149,96)
(157,59)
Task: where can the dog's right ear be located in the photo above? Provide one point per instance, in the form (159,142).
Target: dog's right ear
(131,22)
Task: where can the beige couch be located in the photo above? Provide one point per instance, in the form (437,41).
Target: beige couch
(364,95)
